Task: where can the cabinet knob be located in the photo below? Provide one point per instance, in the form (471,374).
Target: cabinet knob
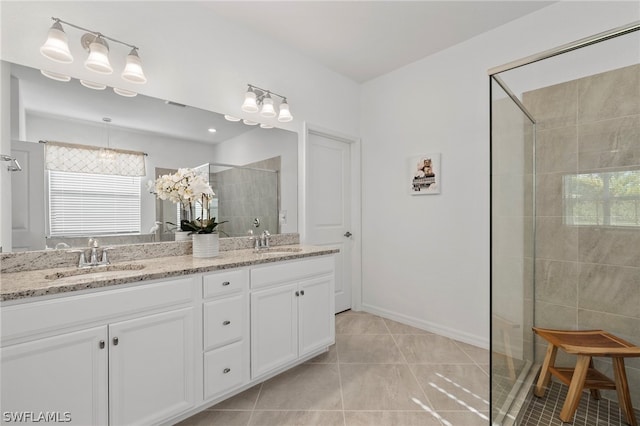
(226,322)
(297,293)
(101,344)
(226,283)
(226,370)
(115,341)
(302,293)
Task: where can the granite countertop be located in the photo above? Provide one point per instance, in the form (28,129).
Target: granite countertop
(41,282)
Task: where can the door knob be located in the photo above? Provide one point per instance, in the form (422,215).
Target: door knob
(348,234)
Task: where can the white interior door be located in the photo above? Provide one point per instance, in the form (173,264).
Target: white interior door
(27,197)
(328,205)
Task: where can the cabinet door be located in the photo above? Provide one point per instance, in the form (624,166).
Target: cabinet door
(274,328)
(151,367)
(316,316)
(63,376)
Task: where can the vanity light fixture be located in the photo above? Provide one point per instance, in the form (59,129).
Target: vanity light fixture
(231,118)
(93,85)
(56,48)
(266,126)
(124,92)
(258,99)
(249,122)
(55,76)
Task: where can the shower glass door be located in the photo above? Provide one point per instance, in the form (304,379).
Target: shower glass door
(512,249)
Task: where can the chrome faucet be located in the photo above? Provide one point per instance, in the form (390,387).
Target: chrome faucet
(93,256)
(261,242)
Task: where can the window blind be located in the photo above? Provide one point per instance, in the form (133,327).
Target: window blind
(92,204)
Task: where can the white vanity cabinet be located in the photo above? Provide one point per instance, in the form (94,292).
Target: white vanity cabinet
(225,314)
(291,312)
(134,365)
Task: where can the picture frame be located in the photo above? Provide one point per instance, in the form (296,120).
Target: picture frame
(425,177)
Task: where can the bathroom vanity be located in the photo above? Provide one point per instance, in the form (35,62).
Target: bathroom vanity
(157,340)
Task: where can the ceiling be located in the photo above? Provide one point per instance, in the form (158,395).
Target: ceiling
(365,39)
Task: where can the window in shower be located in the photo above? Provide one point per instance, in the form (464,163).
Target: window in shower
(602,199)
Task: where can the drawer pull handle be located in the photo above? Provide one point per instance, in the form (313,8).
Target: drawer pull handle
(226,322)
(226,370)
(302,293)
(297,293)
(226,283)
(116,341)
(101,344)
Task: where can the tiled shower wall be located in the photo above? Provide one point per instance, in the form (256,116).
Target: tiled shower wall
(245,194)
(587,276)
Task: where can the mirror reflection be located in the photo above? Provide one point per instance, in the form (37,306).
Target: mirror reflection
(239,160)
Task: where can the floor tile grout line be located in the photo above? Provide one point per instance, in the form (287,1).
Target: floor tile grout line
(344,416)
(438,417)
(255,404)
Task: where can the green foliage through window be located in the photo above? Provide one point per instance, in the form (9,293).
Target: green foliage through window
(605,198)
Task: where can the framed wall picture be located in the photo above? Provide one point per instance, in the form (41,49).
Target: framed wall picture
(424,174)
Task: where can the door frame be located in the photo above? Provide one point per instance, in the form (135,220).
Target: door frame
(356,201)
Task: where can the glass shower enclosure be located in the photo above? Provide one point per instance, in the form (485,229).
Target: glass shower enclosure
(512,245)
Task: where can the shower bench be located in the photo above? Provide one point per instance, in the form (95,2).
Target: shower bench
(586,344)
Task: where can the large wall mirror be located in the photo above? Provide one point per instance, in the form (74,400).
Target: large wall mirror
(172,135)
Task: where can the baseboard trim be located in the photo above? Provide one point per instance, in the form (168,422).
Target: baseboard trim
(428,326)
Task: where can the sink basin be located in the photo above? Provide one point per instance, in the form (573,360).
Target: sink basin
(93,270)
(277,251)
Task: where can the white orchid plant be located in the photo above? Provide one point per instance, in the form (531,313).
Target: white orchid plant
(188,187)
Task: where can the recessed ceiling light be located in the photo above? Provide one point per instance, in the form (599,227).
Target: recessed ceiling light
(124,92)
(92,85)
(249,122)
(55,76)
(212,130)
(231,118)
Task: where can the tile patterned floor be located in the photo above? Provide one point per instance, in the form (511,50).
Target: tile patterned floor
(591,412)
(379,372)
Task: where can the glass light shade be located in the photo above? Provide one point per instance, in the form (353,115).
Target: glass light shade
(92,85)
(266,126)
(133,69)
(55,76)
(267,107)
(124,92)
(284,115)
(98,59)
(250,104)
(231,118)
(249,122)
(56,47)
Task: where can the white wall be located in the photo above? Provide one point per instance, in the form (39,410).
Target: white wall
(243,150)
(426,258)
(189,55)
(5,148)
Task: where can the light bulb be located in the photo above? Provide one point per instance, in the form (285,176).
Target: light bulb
(250,104)
(92,85)
(267,107)
(284,115)
(98,59)
(124,92)
(55,76)
(56,47)
(133,69)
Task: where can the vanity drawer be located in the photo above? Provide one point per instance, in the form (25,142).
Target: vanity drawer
(278,273)
(223,321)
(221,283)
(223,369)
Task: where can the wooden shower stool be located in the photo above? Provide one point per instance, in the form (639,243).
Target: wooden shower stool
(586,344)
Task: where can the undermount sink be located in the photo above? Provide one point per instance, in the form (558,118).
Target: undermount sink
(93,270)
(279,251)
